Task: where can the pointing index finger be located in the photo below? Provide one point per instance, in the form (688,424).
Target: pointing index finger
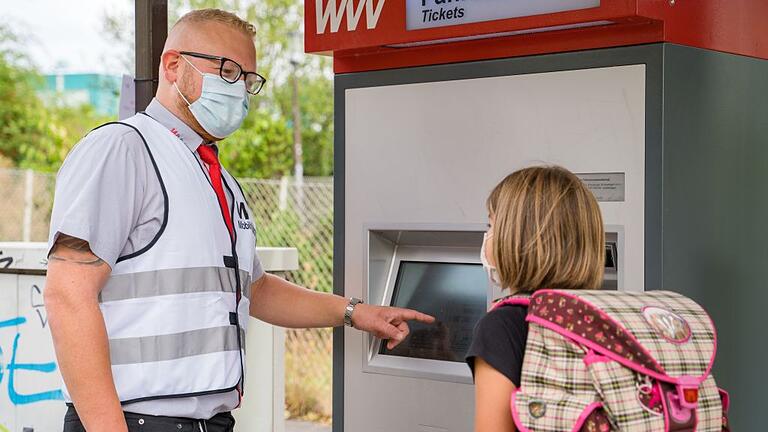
(410,314)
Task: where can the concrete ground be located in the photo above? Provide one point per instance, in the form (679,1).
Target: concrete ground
(299,426)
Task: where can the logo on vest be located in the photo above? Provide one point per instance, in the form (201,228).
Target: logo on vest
(242,212)
(668,324)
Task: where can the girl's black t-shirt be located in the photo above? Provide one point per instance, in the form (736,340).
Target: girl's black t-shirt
(499,339)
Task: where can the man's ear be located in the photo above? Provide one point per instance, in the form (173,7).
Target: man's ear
(169,64)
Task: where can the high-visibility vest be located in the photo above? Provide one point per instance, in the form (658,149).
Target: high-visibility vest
(176,310)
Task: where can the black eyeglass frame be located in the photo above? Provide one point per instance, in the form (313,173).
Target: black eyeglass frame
(242,72)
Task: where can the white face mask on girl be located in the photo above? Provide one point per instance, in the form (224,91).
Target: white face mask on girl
(493,275)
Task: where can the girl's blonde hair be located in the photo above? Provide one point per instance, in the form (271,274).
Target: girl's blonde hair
(547,231)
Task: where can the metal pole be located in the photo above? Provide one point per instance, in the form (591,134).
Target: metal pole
(29,195)
(283,194)
(151,32)
(296,59)
(278,379)
(298,152)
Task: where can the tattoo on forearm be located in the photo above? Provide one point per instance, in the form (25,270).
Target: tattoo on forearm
(73,243)
(94,262)
(83,256)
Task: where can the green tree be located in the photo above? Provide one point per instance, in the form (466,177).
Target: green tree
(21,115)
(35,133)
(259,149)
(316,103)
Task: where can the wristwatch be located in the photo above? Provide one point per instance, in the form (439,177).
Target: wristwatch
(349,310)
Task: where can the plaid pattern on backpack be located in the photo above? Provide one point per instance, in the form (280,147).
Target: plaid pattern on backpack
(603,361)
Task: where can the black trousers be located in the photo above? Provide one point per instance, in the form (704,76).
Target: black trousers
(223,422)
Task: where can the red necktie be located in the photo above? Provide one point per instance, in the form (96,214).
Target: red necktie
(208,155)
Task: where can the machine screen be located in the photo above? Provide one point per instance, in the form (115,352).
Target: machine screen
(454,293)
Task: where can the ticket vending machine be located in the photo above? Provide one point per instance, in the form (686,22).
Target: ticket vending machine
(659,112)
(420,160)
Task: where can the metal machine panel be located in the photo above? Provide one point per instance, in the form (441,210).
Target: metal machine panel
(715,211)
(430,352)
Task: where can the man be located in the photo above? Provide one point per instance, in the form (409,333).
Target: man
(152,271)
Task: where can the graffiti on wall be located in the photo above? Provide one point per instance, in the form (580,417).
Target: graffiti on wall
(31,396)
(6,261)
(9,371)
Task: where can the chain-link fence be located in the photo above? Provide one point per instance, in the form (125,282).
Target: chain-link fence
(301,215)
(26,198)
(286,214)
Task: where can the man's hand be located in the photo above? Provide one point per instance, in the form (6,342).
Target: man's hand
(387,322)
(284,304)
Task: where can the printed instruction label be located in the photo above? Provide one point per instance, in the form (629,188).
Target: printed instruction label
(607,187)
(423,14)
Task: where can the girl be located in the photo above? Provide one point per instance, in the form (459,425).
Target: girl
(546,231)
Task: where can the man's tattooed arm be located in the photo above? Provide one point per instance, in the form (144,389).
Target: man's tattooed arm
(76,277)
(74,250)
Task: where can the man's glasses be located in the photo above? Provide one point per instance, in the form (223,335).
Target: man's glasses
(231,71)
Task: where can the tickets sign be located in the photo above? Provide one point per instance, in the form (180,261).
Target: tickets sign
(343,25)
(423,14)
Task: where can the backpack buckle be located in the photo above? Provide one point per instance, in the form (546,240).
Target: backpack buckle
(688,392)
(690,396)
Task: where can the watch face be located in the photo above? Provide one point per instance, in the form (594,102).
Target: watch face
(348,312)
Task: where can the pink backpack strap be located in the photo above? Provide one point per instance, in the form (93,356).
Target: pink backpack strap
(512,301)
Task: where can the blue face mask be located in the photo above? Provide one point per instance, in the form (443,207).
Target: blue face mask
(222,106)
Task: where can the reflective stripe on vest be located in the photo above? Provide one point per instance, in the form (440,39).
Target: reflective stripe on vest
(173,346)
(172,281)
(173,320)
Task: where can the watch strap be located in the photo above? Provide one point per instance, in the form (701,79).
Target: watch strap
(349,310)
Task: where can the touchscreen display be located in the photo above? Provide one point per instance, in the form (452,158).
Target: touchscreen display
(454,293)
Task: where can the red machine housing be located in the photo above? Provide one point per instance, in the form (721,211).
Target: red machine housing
(733,26)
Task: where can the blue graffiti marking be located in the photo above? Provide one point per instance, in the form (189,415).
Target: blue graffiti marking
(9,323)
(22,399)
(50,367)
(13,322)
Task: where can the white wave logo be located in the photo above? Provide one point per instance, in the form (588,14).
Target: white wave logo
(669,325)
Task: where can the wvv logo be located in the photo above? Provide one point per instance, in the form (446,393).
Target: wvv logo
(330,12)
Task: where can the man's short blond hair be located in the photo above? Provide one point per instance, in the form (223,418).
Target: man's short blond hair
(218,16)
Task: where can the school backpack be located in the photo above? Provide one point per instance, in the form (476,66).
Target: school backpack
(605,361)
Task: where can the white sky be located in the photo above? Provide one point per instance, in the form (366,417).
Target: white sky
(67,35)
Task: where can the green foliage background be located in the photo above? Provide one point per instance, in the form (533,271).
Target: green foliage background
(39,133)
(34,134)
